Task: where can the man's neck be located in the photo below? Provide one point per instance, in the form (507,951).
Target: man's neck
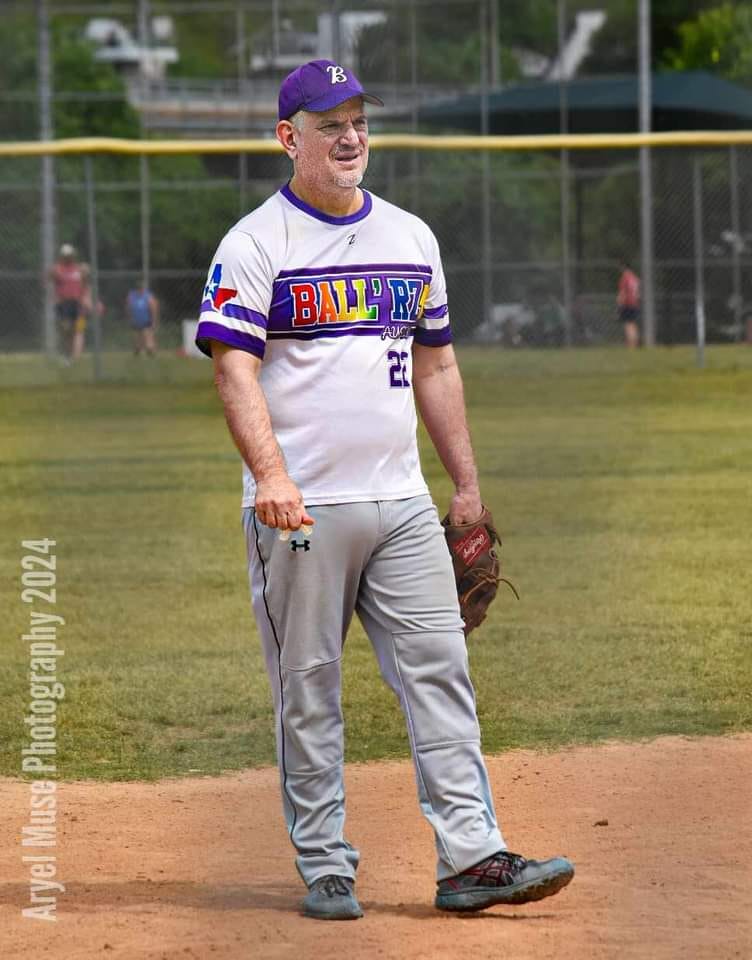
(341,202)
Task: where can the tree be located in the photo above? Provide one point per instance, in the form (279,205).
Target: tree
(186,219)
(615,46)
(719,39)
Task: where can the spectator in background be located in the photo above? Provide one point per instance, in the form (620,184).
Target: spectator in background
(628,302)
(70,280)
(142,308)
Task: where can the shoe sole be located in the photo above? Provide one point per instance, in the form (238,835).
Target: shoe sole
(479,898)
(332,916)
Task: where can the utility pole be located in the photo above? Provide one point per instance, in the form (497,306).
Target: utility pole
(46,132)
(646,177)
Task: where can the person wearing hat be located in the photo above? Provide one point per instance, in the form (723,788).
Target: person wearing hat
(325,313)
(70,280)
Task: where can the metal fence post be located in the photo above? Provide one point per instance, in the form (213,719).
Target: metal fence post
(47,212)
(699,242)
(242,66)
(736,244)
(564,175)
(415,162)
(145,221)
(646,176)
(91,217)
(487,279)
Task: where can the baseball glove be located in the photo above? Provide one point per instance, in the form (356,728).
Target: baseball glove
(477,568)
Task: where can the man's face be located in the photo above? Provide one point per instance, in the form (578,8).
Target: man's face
(331,149)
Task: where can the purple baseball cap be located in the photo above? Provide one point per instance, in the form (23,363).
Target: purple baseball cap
(318,86)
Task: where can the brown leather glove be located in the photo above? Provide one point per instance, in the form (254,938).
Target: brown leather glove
(477,568)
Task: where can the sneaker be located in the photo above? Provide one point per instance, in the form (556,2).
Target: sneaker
(332,898)
(503,878)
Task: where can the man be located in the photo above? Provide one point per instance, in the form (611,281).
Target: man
(628,302)
(325,314)
(142,308)
(70,280)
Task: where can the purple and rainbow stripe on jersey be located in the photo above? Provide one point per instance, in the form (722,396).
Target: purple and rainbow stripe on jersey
(374,299)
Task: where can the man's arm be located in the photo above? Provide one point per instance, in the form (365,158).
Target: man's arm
(441,402)
(279,503)
(154,310)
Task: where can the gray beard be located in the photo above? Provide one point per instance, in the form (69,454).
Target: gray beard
(349,179)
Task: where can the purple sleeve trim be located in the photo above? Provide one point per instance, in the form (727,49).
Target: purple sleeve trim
(433,338)
(237,312)
(207,330)
(436,313)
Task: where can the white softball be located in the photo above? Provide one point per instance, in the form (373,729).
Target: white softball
(284,534)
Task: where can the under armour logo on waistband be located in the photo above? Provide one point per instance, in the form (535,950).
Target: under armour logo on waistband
(297,545)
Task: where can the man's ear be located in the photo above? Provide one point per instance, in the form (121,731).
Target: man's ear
(286,136)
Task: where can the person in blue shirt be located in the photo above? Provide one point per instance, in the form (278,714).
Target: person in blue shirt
(142,308)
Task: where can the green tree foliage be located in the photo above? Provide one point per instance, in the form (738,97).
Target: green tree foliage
(76,70)
(719,39)
(447,41)
(188,214)
(449,50)
(615,45)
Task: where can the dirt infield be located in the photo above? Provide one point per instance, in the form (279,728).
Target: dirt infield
(660,832)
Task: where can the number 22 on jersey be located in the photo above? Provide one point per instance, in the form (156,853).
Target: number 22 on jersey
(397,368)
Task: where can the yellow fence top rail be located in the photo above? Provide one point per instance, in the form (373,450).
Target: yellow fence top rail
(587,141)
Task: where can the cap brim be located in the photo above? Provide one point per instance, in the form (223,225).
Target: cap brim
(335,98)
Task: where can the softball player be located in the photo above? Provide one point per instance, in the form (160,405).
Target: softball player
(70,280)
(326,316)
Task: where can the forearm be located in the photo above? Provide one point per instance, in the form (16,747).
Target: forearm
(278,501)
(440,398)
(248,419)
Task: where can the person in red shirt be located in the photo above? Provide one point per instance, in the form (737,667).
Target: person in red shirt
(70,280)
(628,302)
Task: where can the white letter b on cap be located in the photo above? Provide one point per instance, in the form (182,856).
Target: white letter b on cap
(337,74)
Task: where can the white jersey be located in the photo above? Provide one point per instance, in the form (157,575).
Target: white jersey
(332,306)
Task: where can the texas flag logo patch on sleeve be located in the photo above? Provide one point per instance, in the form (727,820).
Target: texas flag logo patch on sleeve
(215,291)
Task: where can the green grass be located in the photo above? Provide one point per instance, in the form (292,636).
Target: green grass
(621,484)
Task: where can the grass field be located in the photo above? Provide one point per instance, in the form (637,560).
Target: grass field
(621,482)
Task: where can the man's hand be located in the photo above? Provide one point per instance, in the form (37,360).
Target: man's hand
(466,506)
(279,503)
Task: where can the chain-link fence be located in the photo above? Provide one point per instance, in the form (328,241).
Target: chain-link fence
(533,241)
(497,216)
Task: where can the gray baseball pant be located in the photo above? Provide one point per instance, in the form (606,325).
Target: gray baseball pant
(387,561)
